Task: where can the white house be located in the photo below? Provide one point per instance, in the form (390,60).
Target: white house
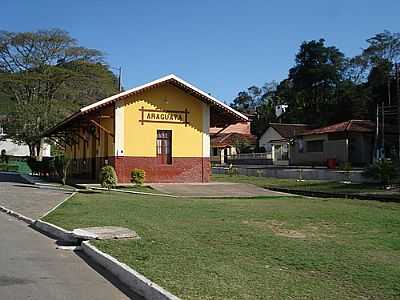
(276,140)
(15,149)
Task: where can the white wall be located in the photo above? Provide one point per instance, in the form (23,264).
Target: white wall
(333,149)
(206,130)
(13,148)
(21,150)
(268,135)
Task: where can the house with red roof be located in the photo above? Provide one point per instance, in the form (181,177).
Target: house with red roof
(346,142)
(226,141)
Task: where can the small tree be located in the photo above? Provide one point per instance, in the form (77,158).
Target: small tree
(232,171)
(242,145)
(61,165)
(384,171)
(138,176)
(108,177)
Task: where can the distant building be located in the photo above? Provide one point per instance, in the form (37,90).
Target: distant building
(224,141)
(20,150)
(346,142)
(276,140)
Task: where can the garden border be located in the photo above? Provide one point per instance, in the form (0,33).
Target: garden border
(321,194)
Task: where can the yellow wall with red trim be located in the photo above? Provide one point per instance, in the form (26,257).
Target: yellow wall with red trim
(140,139)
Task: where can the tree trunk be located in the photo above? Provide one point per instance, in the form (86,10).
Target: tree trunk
(31,150)
(40,150)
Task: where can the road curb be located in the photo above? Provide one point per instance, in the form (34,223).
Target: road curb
(44,227)
(131,278)
(55,231)
(17,215)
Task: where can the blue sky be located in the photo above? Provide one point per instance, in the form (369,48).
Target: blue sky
(220,46)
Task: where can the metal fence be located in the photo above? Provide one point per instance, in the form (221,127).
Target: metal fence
(242,156)
(243,159)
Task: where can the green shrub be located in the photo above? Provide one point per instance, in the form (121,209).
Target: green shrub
(8,167)
(43,167)
(384,171)
(108,177)
(138,176)
(12,168)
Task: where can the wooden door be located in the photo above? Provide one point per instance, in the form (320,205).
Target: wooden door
(164,147)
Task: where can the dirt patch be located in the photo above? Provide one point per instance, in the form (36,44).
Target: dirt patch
(310,231)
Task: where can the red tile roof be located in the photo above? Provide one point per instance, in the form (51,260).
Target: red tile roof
(289,130)
(348,126)
(229,136)
(223,140)
(241,127)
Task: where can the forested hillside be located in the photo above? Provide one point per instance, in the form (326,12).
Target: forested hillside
(324,86)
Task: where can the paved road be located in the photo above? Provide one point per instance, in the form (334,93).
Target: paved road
(18,195)
(32,268)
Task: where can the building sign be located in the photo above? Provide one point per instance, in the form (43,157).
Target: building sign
(164,116)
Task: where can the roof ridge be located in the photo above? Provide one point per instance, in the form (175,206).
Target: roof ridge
(292,124)
(179,83)
(158,81)
(224,137)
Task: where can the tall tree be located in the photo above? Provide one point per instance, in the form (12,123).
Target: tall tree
(383,46)
(382,53)
(247,101)
(315,80)
(43,72)
(265,110)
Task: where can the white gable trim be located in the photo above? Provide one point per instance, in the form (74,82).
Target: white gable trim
(267,136)
(158,81)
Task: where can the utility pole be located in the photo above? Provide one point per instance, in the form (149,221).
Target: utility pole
(376,144)
(119,79)
(383,129)
(398,102)
(119,69)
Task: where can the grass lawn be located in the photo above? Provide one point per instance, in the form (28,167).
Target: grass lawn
(311,185)
(269,248)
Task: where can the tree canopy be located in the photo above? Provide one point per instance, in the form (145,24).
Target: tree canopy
(47,75)
(324,86)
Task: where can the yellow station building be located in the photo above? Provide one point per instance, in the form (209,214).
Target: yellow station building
(161,127)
